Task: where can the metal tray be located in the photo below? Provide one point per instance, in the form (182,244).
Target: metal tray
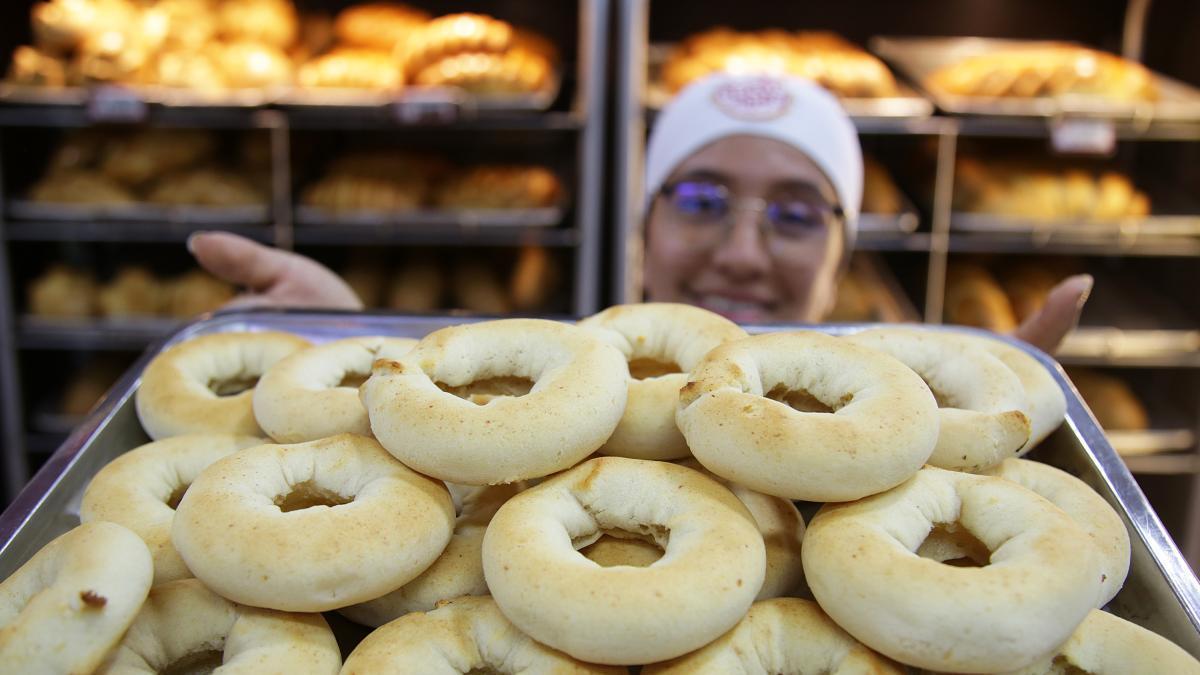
(171,97)
(909,103)
(417,102)
(1161,592)
(919,58)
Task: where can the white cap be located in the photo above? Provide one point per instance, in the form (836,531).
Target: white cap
(788,109)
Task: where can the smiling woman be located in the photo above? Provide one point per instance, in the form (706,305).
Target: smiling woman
(754,187)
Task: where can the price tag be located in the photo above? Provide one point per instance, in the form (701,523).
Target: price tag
(107,103)
(1083,136)
(428,105)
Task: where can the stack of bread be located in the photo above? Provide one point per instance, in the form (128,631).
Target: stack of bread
(976,297)
(825,57)
(424,283)
(396,181)
(205,45)
(66,292)
(170,167)
(1046,70)
(1045,191)
(528,496)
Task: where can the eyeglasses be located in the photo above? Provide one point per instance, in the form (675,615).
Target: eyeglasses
(708,208)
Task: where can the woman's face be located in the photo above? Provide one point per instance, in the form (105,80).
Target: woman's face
(772,255)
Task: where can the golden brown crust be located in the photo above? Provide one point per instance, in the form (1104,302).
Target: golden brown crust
(1111,400)
(1053,70)
(500,187)
(132,292)
(975,298)
(516,71)
(352,68)
(379,25)
(62,291)
(455,34)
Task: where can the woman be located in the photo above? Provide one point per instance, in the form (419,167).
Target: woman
(753,187)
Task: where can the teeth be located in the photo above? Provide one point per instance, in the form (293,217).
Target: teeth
(719,303)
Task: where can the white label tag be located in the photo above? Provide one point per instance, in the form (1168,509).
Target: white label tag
(107,103)
(1083,137)
(427,105)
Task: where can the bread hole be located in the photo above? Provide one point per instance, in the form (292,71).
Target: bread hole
(233,386)
(944,400)
(643,369)
(196,663)
(799,399)
(952,544)
(177,495)
(481,392)
(353,380)
(1061,666)
(307,495)
(619,547)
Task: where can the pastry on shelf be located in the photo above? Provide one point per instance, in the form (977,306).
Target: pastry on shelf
(88,385)
(477,288)
(79,149)
(195,69)
(146,155)
(378,25)
(61,26)
(1045,191)
(133,292)
(500,187)
(880,194)
(273,23)
(975,298)
(416,287)
(316,36)
(516,71)
(196,292)
(855,300)
(534,279)
(116,56)
(1027,285)
(352,68)
(1047,70)
(64,292)
(32,67)
(827,58)
(80,186)
(349,192)
(205,186)
(1112,401)
(253,65)
(366,278)
(191,24)
(451,35)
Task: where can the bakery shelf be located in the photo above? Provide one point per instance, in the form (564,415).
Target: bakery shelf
(69,116)
(1131,444)
(43,444)
(1060,243)
(84,334)
(390,117)
(99,231)
(1109,346)
(1165,464)
(333,234)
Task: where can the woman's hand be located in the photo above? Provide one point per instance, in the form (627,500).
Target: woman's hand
(270,276)
(1058,316)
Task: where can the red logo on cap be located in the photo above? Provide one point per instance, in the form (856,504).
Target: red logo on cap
(754,99)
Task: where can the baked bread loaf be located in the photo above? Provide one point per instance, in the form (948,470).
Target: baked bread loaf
(80,186)
(1050,70)
(205,186)
(63,291)
(500,187)
(1113,403)
(196,292)
(382,26)
(132,292)
(352,68)
(975,298)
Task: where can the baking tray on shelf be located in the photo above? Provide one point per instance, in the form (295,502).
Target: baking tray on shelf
(907,104)
(1161,592)
(170,97)
(311,216)
(1129,322)
(917,58)
(27,209)
(415,103)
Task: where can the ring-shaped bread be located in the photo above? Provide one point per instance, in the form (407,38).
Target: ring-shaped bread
(312,526)
(782,635)
(712,566)
(141,488)
(782,529)
(576,400)
(1041,580)
(183,624)
(314,393)
(982,404)
(882,428)
(1089,509)
(206,384)
(464,635)
(1046,400)
(457,572)
(1109,645)
(662,342)
(64,609)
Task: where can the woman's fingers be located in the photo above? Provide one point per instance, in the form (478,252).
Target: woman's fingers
(238,260)
(1058,316)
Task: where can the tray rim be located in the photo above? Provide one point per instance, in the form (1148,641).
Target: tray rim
(1145,523)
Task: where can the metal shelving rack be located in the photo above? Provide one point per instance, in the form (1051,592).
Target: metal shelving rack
(1176,349)
(581,119)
